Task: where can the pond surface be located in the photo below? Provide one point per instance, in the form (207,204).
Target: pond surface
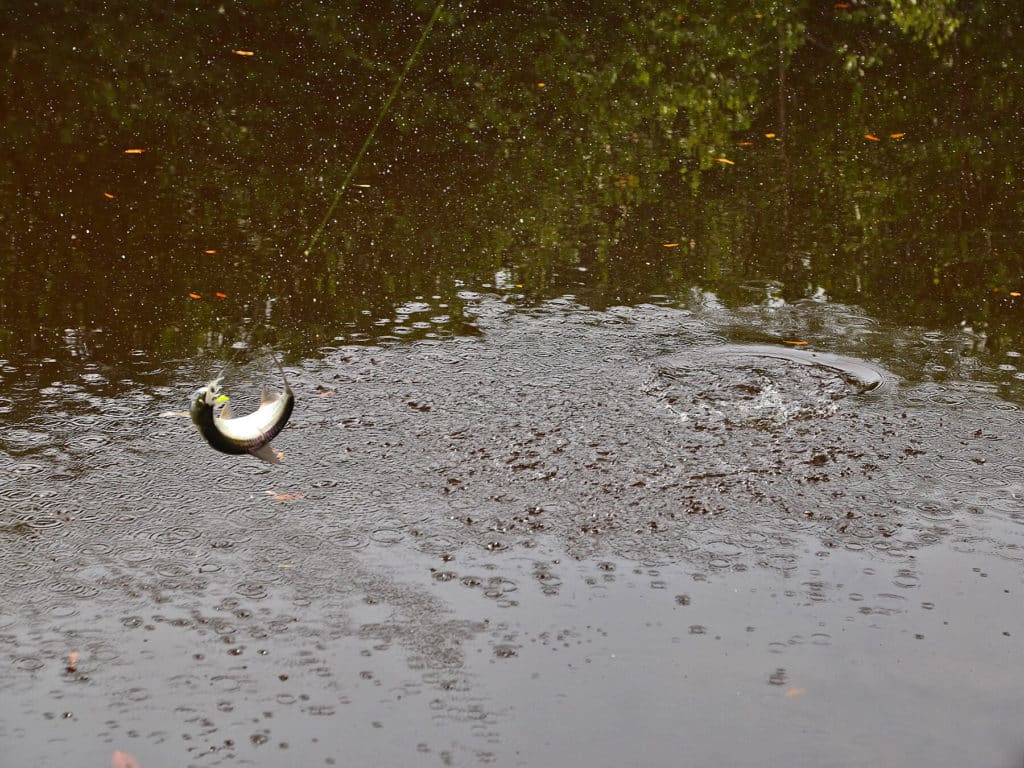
(605,451)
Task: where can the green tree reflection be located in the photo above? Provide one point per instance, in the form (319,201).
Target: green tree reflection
(872,151)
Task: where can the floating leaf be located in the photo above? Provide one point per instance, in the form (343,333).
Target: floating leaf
(210,251)
(134,151)
(841,6)
(897,135)
(769,135)
(794,692)
(797,343)
(284,496)
(670,245)
(744,143)
(124,760)
(1015,294)
(108,196)
(871,137)
(540,85)
(220,295)
(195,296)
(72,661)
(243,53)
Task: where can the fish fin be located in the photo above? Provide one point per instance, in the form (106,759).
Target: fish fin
(226,412)
(266,397)
(266,453)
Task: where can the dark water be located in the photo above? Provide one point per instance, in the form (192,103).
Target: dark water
(605,451)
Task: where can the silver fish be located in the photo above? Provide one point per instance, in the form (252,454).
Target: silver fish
(246,434)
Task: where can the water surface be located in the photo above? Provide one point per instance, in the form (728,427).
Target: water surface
(644,412)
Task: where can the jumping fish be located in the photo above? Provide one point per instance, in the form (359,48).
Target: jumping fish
(246,434)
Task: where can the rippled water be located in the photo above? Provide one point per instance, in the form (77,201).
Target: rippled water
(499,548)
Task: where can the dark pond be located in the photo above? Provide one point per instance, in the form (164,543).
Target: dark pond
(657,374)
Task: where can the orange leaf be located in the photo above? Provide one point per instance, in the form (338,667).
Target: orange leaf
(123,760)
(220,295)
(284,496)
(243,53)
(210,250)
(871,137)
(72,661)
(540,85)
(796,343)
(134,151)
(670,245)
(744,143)
(1015,294)
(841,5)
(195,296)
(769,135)
(108,196)
(724,160)
(794,692)
(897,135)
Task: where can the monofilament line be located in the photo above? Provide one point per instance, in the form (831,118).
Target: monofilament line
(373,132)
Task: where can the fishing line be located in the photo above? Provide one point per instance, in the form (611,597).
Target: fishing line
(355,164)
(373,131)
(238,346)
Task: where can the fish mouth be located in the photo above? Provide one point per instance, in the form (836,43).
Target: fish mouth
(213,390)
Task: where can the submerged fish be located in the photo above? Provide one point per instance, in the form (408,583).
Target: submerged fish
(246,434)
